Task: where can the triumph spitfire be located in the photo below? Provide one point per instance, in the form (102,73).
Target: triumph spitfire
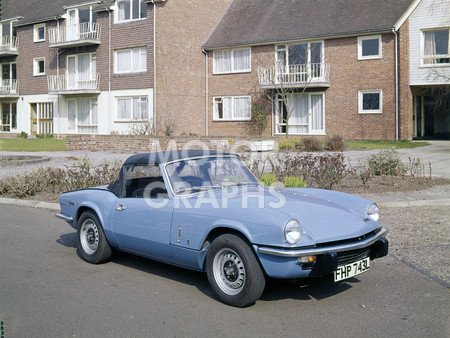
(204,210)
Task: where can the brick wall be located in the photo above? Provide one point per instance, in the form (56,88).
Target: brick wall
(348,75)
(181,29)
(145,143)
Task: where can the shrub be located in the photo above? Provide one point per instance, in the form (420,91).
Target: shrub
(364,172)
(286,144)
(335,143)
(329,170)
(44,136)
(268,179)
(386,162)
(312,144)
(294,182)
(22,135)
(56,180)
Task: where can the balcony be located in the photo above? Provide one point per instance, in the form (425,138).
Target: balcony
(9,89)
(83,34)
(295,76)
(67,85)
(9,46)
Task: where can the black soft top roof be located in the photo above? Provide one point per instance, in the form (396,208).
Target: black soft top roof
(157,158)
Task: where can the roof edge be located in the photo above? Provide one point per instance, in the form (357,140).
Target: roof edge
(406,15)
(316,37)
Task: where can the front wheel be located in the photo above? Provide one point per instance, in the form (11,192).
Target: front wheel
(234,272)
(92,244)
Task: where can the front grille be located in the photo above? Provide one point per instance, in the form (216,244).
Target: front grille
(346,257)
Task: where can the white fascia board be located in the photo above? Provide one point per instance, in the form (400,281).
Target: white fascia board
(407,14)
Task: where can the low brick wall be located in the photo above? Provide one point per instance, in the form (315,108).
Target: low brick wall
(147,143)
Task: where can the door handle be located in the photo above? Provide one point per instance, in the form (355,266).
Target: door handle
(121,207)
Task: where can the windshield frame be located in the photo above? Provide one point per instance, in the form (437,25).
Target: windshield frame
(200,191)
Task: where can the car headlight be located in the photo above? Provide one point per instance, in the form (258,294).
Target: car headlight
(292,231)
(373,212)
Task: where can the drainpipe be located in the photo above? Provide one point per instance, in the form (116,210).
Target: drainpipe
(154,65)
(206,91)
(396,83)
(109,69)
(57,76)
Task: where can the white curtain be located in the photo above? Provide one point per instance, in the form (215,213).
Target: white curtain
(123,60)
(123,108)
(241,59)
(227,108)
(429,47)
(83,111)
(317,112)
(298,121)
(241,108)
(71,114)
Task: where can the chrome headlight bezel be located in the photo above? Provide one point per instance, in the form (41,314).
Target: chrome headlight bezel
(292,231)
(373,212)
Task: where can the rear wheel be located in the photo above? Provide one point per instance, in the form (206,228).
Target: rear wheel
(234,272)
(92,244)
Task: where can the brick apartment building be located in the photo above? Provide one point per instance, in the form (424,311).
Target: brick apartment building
(364,69)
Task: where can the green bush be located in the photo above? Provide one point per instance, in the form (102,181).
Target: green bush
(44,135)
(386,162)
(286,144)
(22,135)
(268,179)
(294,182)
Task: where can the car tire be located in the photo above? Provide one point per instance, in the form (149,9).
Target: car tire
(93,246)
(234,272)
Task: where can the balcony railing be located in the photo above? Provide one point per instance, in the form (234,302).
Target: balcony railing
(9,88)
(65,84)
(9,45)
(309,75)
(83,34)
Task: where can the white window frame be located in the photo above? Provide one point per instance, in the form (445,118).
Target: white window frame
(117,15)
(360,47)
(141,98)
(93,104)
(218,55)
(36,66)
(36,32)
(311,131)
(360,101)
(219,99)
(142,51)
(422,49)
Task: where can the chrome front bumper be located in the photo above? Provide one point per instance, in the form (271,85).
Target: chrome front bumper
(312,251)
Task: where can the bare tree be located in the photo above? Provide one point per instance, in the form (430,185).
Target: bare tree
(286,81)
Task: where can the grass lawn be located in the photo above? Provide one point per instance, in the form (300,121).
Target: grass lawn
(32,144)
(384,144)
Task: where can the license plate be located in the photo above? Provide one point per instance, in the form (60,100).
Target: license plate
(352,269)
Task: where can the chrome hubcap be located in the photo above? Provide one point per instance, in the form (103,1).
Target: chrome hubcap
(89,237)
(229,271)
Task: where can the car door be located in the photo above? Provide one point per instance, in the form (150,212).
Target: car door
(142,217)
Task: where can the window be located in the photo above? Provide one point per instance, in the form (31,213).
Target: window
(129,10)
(299,62)
(130,60)
(81,71)
(132,108)
(9,35)
(305,114)
(82,113)
(144,182)
(436,47)
(39,32)
(230,108)
(8,119)
(38,66)
(370,101)
(369,47)
(231,61)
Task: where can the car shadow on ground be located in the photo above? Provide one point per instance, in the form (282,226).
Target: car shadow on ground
(306,289)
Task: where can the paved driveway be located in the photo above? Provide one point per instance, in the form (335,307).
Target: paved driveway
(47,291)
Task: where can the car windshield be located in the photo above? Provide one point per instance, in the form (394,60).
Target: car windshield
(196,175)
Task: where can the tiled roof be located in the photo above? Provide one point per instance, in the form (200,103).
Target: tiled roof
(40,10)
(249,22)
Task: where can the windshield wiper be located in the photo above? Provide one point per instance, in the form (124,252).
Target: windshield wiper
(199,188)
(240,184)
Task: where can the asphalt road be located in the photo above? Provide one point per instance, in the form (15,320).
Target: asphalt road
(46,290)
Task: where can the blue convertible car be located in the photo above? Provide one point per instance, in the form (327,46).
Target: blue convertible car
(204,210)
